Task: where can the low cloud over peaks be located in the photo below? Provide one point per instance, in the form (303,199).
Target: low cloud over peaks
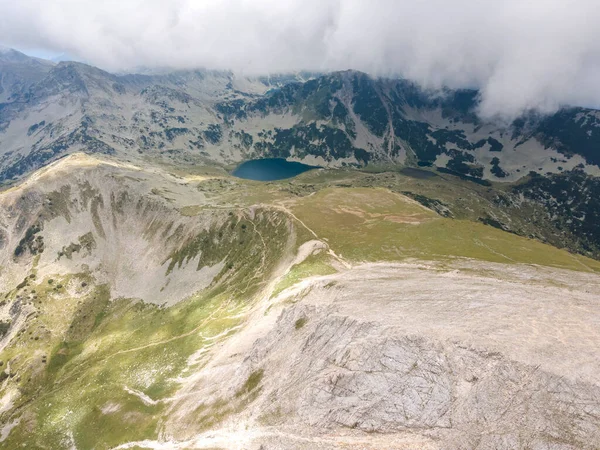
(539,54)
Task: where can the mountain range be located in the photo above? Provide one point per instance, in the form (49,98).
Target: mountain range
(431,283)
(344,118)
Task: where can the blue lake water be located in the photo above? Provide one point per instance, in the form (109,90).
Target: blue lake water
(270,169)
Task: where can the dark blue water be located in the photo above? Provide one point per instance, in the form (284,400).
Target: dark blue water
(270,169)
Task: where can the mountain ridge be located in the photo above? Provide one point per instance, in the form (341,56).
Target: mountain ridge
(333,119)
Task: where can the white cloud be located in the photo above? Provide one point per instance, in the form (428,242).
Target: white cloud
(521,54)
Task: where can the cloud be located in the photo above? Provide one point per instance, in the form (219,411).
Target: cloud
(538,54)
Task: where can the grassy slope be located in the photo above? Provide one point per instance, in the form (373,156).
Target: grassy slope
(461,199)
(133,345)
(93,349)
(314,265)
(364,224)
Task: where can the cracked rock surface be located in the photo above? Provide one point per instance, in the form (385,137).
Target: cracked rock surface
(418,362)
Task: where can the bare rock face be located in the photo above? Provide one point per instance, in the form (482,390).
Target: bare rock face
(343,373)
(380,384)
(344,365)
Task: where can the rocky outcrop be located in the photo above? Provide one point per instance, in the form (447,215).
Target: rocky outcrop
(362,376)
(401,357)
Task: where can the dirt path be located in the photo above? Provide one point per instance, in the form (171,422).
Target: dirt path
(152,344)
(241,437)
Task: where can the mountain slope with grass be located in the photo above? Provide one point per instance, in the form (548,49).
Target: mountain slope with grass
(154,306)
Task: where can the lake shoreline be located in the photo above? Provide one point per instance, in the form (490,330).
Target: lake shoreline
(270,169)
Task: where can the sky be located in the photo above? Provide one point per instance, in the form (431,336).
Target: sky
(522,55)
